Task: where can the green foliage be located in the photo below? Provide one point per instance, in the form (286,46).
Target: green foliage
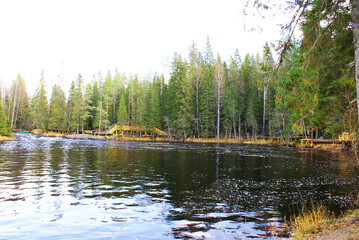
(315,82)
(57,114)
(122,114)
(180,91)
(5,129)
(313,88)
(39,106)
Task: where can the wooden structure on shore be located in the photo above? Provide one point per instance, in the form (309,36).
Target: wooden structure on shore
(143,131)
(344,138)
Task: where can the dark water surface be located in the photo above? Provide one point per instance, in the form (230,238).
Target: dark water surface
(76,189)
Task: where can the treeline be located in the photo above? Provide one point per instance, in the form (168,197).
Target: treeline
(312,91)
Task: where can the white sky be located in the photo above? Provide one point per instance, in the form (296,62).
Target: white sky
(136,36)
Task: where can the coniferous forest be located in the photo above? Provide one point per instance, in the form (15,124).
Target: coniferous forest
(312,91)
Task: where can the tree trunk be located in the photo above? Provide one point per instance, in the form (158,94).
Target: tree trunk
(269,125)
(264,110)
(197,110)
(99,124)
(234,121)
(13,109)
(355,21)
(218,116)
(197,103)
(106,114)
(239,124)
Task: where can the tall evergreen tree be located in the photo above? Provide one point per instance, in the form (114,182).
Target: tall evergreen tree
(39,106)
(181,94)
(19,104)
(5,129)
(207,104)
(219,82)
(122,114)
(57,113)
(196,76)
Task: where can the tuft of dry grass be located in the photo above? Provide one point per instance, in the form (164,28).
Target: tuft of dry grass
(213,140)
(331,147)
(310,222)
(52,134)
(140,139)
(5,138)
(37,131)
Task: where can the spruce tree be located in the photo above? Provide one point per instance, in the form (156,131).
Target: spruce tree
(57,113)
(39,106)
(122,114)
(5,129)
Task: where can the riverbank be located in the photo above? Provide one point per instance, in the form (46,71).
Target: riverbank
(319,224)
(6,138)
(258,141)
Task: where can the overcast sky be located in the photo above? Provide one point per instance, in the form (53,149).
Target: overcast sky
(138,36)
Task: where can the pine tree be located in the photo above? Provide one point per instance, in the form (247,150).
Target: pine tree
(39,106)
(18,105)
(219,82)
(107,96)
(94,101)
(246,77)
(265,78)
(181,94)
(196,76)
(206,100)
(5,130)
(76,104)
(122,114)
(233,94)
(57,113)
(87,107)
(153,115)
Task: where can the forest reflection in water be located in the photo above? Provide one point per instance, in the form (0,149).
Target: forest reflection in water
(61,188)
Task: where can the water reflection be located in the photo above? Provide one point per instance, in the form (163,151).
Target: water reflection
(59,188)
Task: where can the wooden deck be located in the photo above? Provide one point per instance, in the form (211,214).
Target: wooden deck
(143,130)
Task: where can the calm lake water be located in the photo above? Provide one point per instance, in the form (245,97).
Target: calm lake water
(77,189)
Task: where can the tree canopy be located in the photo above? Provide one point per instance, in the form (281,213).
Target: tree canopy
(312,91)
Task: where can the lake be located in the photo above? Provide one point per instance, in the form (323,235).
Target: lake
(86,189)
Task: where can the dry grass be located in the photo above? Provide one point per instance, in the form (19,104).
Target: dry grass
(213,140)
(37,131)
(331,147)
(5,138)
(142,139)
(259,141)
(52,134)
(234,141)
(310,222)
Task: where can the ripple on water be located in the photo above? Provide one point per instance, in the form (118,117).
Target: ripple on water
(81,189)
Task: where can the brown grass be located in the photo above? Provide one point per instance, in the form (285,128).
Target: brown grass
(5,138)
(142,139)
(234,141)
(52,134)
(213,140)
(331,147)
(37,131)
(310,222)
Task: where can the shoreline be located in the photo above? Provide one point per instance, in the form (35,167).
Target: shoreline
(323,231)
(5,138)
(323,226)
(258,141)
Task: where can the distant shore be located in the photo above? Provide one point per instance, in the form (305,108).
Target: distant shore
(258,141)
(5,138)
